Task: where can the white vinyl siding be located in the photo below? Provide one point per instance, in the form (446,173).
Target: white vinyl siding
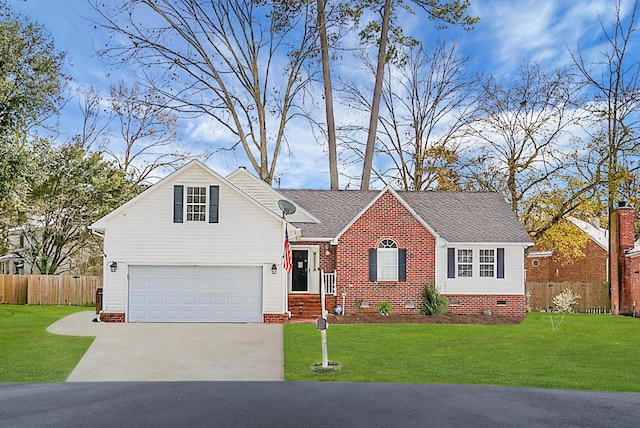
(513,282)
(269,197)
(144,234)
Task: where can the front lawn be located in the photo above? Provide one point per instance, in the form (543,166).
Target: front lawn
(28,353)
(589,352)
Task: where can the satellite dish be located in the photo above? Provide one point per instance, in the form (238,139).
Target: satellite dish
(286,207)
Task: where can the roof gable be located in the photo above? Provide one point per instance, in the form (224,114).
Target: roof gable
(457,217)
(374,200)
(169,180)
(597,234)
(266,195)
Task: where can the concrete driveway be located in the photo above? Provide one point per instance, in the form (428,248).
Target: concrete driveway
(175,352)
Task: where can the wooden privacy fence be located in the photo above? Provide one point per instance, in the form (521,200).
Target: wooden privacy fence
(49,289)
(594,296)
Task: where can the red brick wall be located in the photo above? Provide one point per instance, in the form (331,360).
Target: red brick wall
(622,272)
(386,218)
(112,317)
(274,318)
(502,305)
(591,268)
(631,287)
(327,255)
(626,224)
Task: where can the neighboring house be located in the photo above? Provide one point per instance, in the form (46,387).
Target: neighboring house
(201,247)
(13,263)
(543,267)
(20,261)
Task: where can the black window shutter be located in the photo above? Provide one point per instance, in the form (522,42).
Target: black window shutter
(500,260)
(402,264)
(214,201)
(451,262)
(178,197)
(373,264)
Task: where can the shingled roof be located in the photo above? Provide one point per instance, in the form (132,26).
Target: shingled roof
(458,217)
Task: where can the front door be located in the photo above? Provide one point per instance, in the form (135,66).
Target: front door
(300,271)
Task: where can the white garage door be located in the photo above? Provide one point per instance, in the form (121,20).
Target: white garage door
(195,294)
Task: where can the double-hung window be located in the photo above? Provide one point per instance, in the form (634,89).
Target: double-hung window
(465,263)
(196,203)
(487,263)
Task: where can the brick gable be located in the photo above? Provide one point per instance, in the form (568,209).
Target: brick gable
(386,218)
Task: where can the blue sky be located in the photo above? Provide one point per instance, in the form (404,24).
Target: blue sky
(509,33)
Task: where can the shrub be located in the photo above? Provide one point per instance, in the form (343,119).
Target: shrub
(564,304)
(385,308)
(433,303)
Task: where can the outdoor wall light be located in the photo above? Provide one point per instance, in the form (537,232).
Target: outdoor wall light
(113,266)
(274,269)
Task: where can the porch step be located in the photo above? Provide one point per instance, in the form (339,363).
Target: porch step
(305,305)
(308,305)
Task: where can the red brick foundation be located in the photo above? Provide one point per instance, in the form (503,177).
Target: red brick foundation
(274,318)
(112,317)
(508,305)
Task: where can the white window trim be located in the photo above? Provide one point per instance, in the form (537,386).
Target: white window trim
(187,204)
(459,264)
(387,246)
(492,264)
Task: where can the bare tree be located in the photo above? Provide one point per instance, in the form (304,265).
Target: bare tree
(328,96)
(613,86)
(427,100)
(232,61)
(148,130)
(524,146)
(444,12)
(95,119)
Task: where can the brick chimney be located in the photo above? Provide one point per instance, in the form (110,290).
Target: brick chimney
(621,238)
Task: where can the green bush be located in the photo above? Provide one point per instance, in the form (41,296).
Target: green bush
(385,308)
(433,303)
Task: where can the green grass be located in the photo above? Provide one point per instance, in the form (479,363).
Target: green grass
(589,352)
(28,353)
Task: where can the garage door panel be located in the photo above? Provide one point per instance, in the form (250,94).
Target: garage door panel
(195,294)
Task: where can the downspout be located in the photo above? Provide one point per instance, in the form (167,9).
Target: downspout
(283,282)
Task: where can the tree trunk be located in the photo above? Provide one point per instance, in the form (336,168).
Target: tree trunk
(375,104)
(328,97)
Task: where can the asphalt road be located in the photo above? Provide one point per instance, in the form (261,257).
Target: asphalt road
(293,404)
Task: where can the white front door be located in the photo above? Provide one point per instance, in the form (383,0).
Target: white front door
(305,274)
